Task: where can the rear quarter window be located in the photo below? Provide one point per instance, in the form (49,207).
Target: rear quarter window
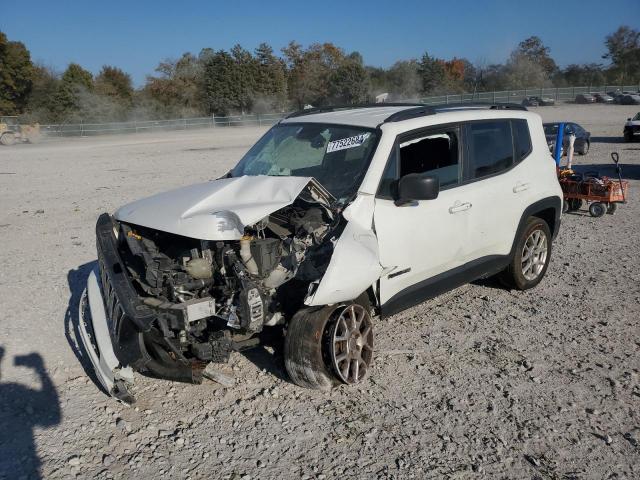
(521,139)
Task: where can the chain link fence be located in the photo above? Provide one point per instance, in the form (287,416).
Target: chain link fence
(517,96)
(136,126)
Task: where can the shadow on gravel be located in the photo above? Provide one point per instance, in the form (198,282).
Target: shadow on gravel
(619,139)
(77,280)
(261,357)
(491,282)
(21,410)
(629,171)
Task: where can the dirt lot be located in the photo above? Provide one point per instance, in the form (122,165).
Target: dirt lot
(479,383)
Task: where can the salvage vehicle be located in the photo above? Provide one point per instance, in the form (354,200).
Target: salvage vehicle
(603,97)
(336,216)
(582,142)
(630,98)
(538,102)
(585,98)
(631,128)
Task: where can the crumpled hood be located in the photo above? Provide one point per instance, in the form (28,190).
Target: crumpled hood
(216,210)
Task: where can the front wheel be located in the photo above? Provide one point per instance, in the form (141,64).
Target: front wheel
(531,258)
(329,345)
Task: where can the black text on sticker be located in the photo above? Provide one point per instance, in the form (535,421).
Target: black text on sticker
(349,142)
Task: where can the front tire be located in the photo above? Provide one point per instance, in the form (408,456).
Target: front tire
(531,258)
(329,345)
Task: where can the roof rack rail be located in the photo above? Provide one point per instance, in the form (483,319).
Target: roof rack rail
(415,112)
(333,108)
(479,105)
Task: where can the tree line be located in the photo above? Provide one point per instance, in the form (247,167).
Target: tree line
(221,82)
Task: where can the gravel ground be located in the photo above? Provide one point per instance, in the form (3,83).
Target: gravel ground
(478,383)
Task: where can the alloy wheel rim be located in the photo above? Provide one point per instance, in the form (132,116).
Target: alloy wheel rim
(534,254)
(352,343)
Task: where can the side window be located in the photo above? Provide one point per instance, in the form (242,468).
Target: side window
(434,152)
(521,139)
(490,148)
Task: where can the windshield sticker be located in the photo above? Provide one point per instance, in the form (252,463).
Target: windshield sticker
(350,142)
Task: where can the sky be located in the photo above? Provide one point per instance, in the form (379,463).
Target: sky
(137,35)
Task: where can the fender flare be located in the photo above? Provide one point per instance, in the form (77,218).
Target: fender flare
(545,204)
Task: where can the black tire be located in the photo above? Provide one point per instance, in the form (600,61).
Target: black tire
(585,148)
(611,208)
(303,357)
(565,205)
(597,209)
(628,136)
(513,276)
(307,353)
(574,204)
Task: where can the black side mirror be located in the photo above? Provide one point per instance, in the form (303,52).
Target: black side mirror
(417,186)
(628,119)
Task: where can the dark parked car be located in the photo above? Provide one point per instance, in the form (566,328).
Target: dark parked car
(583,138)
(603,98)
(630,99)
(632,128)
(538,101)
(585,98)
(616,95)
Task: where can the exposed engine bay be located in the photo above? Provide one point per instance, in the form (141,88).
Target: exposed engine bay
(209,297)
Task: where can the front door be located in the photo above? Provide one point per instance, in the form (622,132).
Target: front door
(423,239)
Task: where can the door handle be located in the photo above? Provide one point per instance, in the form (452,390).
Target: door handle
(520,187)
(460,207)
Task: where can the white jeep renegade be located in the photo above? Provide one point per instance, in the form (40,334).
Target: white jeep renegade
(335,216)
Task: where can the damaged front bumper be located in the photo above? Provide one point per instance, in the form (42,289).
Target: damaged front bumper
(113,321)
(94,334)
(111,317)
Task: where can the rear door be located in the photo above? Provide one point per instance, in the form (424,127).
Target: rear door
(501,184)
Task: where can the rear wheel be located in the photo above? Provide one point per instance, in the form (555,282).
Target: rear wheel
(531,258)
(585,148)
(329,345)
(611,208)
